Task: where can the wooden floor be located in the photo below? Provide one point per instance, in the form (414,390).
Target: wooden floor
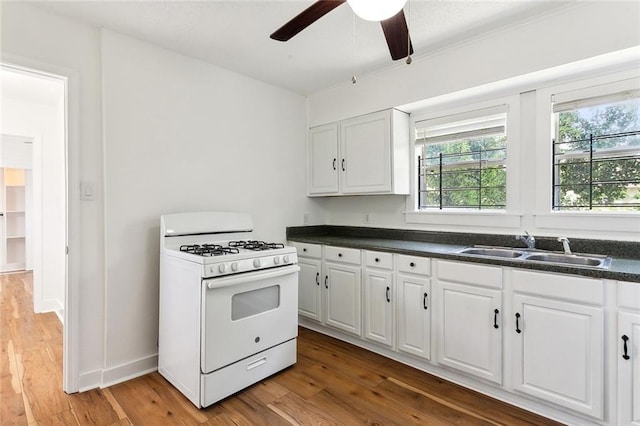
(333,383)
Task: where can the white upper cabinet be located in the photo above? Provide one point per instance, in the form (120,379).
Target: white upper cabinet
(322,160)
(363,155)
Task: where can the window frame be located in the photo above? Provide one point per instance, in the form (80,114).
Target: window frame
(625,223)
(510,217)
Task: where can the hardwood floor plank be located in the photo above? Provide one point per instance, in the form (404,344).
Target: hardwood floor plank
(297,411)
(243,409)
(93,408)
(65,418)
(267,391)
(294,380)
(12,410)
(45,396)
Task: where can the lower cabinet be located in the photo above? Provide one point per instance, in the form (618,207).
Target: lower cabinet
(343,290)
(628,356)
(470,338)
(379,298)
(309,288)
(414,315)
(558,350)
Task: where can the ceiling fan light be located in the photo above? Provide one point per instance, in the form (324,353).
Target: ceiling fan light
(376,10)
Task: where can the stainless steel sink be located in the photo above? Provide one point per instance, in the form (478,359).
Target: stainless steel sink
(571,259)
(524,255)
(492,252)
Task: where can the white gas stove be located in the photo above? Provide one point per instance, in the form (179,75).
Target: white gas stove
(228,305)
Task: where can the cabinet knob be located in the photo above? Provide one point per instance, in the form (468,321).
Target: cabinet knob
(377,260)
(339,254)
(304,249)
(412,264)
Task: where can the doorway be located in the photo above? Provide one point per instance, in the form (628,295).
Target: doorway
(34,115)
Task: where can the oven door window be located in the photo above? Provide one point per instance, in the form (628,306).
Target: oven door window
(254,302)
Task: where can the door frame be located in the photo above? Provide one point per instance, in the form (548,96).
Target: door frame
(71,79)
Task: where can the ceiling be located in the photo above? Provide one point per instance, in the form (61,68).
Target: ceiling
(235,34)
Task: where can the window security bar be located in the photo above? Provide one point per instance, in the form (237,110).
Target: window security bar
(586,161)
(456,167)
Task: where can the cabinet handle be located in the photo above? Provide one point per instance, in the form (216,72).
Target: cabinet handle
(334,163)
(517,324)
(377,260)
(424,301)
(625,338)
(326,277)
(343,169)
(318,278)
(495,318)
(388,299)
(412,264)
(304,249)
(339,254)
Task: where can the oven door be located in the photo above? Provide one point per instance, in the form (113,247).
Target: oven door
(247,313)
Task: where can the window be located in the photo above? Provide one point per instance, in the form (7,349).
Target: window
(596,153)
(462,161)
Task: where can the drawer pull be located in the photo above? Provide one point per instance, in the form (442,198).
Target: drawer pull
(304,249)
(387,294)
(339,254)
(377,260)
(517,323)
(412,264)
(625,356)
(495,318)
(256,363)
(318,278)
(424,301)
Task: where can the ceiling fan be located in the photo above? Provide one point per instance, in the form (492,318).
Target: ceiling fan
(395,27)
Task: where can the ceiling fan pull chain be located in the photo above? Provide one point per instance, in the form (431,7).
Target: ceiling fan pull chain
(354,80)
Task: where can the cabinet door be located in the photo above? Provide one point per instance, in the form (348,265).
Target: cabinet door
(558,352)
(322,160)
(309,290)
(468,337)
(414,316)
(365,149)
(343,297)
(379,305)
(629,369)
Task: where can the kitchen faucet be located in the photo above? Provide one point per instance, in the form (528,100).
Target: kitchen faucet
(528,239)
(565,244)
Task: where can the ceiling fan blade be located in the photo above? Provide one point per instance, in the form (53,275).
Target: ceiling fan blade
(397,35)
(307,17)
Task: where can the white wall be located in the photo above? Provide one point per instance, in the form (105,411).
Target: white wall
(183,135)
(37,39)
(569,35)
(44,124)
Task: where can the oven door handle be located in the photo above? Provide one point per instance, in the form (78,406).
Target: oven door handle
(213,283)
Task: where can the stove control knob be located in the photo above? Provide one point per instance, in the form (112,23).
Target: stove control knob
(256,263)
(286,258)
(234,266)
(276,260)
(222,268)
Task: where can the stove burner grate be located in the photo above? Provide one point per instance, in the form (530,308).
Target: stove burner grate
(208,249)
(256,245)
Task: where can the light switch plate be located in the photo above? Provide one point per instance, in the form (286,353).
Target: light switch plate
(87,191)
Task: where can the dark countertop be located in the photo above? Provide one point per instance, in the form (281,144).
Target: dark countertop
(625,264)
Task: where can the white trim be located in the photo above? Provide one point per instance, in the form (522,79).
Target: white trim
(70,369)
(467,109)
(130,370)
(465,218)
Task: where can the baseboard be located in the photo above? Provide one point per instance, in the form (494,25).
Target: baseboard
(128,371)
(90,380)
(49,305)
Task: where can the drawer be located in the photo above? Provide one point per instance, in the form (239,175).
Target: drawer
(308,250)
(568,287)
(414,265)
(378,259)
(470,273)
(341,254)
(629,295)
